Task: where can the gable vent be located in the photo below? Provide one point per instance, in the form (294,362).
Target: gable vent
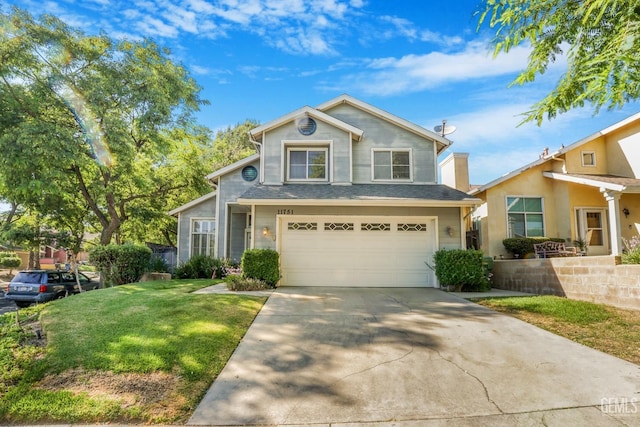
(306,126)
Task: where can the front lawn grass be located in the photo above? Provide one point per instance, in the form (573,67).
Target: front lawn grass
(609,329)
(139,353)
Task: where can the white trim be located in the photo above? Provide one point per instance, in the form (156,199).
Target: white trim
(215,236)
(227,232)
(368,202)
(311,112)
(295,145)
(587,181)
(192,203)
(391,151)
(234,166)
(253,227)
(593,158)
(506,213)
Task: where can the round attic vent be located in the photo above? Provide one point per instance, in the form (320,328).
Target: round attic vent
(306,126)
(249,173)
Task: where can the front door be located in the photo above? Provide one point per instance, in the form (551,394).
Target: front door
(592,225)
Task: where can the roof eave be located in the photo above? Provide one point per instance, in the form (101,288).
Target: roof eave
(470,202)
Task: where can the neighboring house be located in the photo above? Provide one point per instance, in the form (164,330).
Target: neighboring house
(345,192)
(589,188)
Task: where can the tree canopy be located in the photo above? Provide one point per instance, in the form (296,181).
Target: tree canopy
(93,130)
(600,40)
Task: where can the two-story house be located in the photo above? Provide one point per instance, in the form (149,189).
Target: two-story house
(345,192)
(588,190)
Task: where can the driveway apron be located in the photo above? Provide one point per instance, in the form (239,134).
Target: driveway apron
(407,356)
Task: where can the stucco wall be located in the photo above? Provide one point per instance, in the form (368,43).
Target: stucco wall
(599,279)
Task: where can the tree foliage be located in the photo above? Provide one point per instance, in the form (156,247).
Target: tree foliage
(92,130)
(599,38)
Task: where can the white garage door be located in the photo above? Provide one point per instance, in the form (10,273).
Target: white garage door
(357,251)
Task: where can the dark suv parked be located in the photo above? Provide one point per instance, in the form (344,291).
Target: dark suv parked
(37,286)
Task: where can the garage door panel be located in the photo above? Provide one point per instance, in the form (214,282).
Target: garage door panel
(357,251)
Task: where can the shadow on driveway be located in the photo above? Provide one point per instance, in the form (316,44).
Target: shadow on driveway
(365,355)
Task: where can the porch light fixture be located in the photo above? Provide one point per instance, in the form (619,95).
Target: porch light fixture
(626,212)
(266,232)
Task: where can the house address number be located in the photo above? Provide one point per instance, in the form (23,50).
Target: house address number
(285,211)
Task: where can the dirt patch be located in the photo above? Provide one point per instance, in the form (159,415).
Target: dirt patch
(156,390)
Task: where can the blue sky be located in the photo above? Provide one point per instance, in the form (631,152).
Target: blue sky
(421,60)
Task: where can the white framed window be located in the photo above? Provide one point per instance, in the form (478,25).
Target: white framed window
(391,164)
(203,236)
(588,158)
(525,216)
(307,164)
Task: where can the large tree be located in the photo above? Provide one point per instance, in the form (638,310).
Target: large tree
(93,116)
(600,40)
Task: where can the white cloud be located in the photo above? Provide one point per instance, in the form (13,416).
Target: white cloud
(155,27)
(414,73)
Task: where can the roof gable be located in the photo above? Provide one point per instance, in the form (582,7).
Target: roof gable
(556,154)
(232,167)
(442,142)
(193,203)
(307,111)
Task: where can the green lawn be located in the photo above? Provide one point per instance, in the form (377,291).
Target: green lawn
(608,329)
(144,353)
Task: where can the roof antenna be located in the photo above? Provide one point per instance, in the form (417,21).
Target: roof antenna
(444,128)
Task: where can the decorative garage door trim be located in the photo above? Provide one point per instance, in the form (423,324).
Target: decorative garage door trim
(373,251)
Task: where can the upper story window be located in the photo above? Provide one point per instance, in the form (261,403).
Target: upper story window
(391,165)
(525,217)
(307,164)
(588,158)
(203,234)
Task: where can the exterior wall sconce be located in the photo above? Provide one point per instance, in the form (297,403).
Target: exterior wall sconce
(449,231)
(266,232)
(626,212)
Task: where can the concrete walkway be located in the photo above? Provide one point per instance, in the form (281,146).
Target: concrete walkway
(411,357)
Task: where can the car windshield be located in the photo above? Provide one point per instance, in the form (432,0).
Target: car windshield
(27,277)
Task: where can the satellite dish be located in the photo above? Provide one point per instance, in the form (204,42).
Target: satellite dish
(444,128)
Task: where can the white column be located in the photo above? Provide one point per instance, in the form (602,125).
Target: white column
(613,200)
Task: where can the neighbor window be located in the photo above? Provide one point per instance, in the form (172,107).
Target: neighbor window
(307,164)
(588,158)
(203,234)
(391,165)
(525,217)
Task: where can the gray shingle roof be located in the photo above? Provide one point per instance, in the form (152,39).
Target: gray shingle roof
(361,192)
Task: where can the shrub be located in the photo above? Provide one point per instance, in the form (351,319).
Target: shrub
(262,264)
(10,260)
(236,282)
(157,265)
(120,264)
(466,270)
(204,267)
(631,254)
(521,246)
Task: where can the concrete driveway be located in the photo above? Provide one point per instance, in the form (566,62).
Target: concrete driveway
(411,357)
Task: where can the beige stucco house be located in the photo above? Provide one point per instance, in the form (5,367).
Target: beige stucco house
(590,188)
(347,193)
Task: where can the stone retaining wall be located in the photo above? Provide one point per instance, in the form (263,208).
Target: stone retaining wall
(599,279)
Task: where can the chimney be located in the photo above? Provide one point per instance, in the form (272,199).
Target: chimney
(454,171)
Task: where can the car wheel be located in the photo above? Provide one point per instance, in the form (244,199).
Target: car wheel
(23,304)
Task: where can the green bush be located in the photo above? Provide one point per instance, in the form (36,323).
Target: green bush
(521,246)
(236,282)
(157,265)
(120,264)
(631,253)
(201,267)
(466,270)
(262,264)
(9,260)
